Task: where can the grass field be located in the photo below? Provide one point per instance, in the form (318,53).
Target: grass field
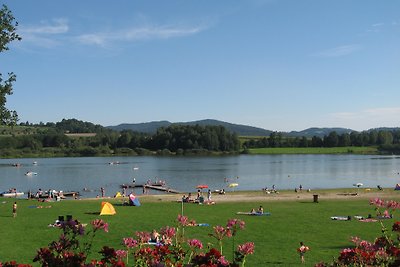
(276,237)
(315,150)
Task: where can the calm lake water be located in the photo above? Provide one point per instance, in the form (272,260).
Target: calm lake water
(251,172)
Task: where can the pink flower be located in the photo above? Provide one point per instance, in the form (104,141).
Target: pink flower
(183,220)
(246,248)
(233,226)
(130,242)
(168,232)
(195,243)
(392,204)
(121,253)
(377,202)
(233,223)
(223,261)
(144,237)
(355,239)
(219,232)
(99,224)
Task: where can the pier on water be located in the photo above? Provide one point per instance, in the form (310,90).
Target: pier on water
(162,188)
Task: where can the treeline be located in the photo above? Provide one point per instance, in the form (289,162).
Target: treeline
(176,139)
(385,140)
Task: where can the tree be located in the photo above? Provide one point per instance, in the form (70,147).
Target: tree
(8,34)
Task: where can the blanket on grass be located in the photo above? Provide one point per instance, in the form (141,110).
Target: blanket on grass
(253,213)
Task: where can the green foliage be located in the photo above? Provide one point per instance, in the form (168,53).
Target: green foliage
(382,138)
(7,35)
(314,150)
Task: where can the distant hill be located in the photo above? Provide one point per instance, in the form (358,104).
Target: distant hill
(151,127)
(239,129)
(320,132)
(145,127)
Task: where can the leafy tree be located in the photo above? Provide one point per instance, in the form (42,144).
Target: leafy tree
(8,34)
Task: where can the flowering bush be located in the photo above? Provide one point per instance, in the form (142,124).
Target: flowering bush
(74,245)
(384,251)
(175,250)
(72,250)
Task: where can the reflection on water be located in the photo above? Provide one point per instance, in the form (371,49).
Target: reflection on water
(251,172)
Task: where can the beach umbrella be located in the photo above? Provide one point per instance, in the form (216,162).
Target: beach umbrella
(202,186)
(233,185)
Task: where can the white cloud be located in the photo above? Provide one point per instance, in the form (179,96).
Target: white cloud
(56,26)
(339,51)
(45,34)
(138,33)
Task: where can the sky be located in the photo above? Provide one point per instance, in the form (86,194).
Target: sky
(281,65)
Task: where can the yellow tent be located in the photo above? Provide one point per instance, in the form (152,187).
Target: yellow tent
(118,194)
(107,209)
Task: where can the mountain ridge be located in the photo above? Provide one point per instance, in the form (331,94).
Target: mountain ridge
(239,129)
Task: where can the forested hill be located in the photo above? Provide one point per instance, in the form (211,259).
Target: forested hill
(320,132)
(151,127)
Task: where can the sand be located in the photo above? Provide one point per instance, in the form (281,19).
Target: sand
(260,196)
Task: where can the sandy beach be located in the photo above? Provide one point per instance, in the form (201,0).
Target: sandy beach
(260,196)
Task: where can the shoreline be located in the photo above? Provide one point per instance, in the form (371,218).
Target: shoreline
(285,195)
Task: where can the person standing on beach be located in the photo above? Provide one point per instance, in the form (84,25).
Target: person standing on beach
(14,209)
(302,250)
(102,191)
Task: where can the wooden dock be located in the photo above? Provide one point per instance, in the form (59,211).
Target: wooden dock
(153,187)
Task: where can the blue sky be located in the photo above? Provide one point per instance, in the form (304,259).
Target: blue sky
(276,64)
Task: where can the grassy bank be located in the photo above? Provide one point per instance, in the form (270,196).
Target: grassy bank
(314,150)
(276,237)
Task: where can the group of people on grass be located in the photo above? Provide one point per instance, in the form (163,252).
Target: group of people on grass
(260,210)
(199,197)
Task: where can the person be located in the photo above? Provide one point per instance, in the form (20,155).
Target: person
(154,236)
(102,191)
(198,194)
(253,211)
(260,210)
(302,250)
(14,209)
(209,195)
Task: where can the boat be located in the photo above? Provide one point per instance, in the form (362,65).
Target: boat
(54,194)
(11,194)
(30,173)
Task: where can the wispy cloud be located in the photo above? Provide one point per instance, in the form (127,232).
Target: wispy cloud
(339,51)
(376,27)
(57,31)
(137,34)
(44,34)
(56,26)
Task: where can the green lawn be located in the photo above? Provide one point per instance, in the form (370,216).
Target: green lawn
(276,237)
(314,150)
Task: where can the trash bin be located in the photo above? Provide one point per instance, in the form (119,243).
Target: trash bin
(315,198)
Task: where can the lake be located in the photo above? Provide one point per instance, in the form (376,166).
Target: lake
(250,172)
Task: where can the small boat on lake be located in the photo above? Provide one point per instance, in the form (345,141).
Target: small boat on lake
(54,194)
(29,173)
(11,194)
